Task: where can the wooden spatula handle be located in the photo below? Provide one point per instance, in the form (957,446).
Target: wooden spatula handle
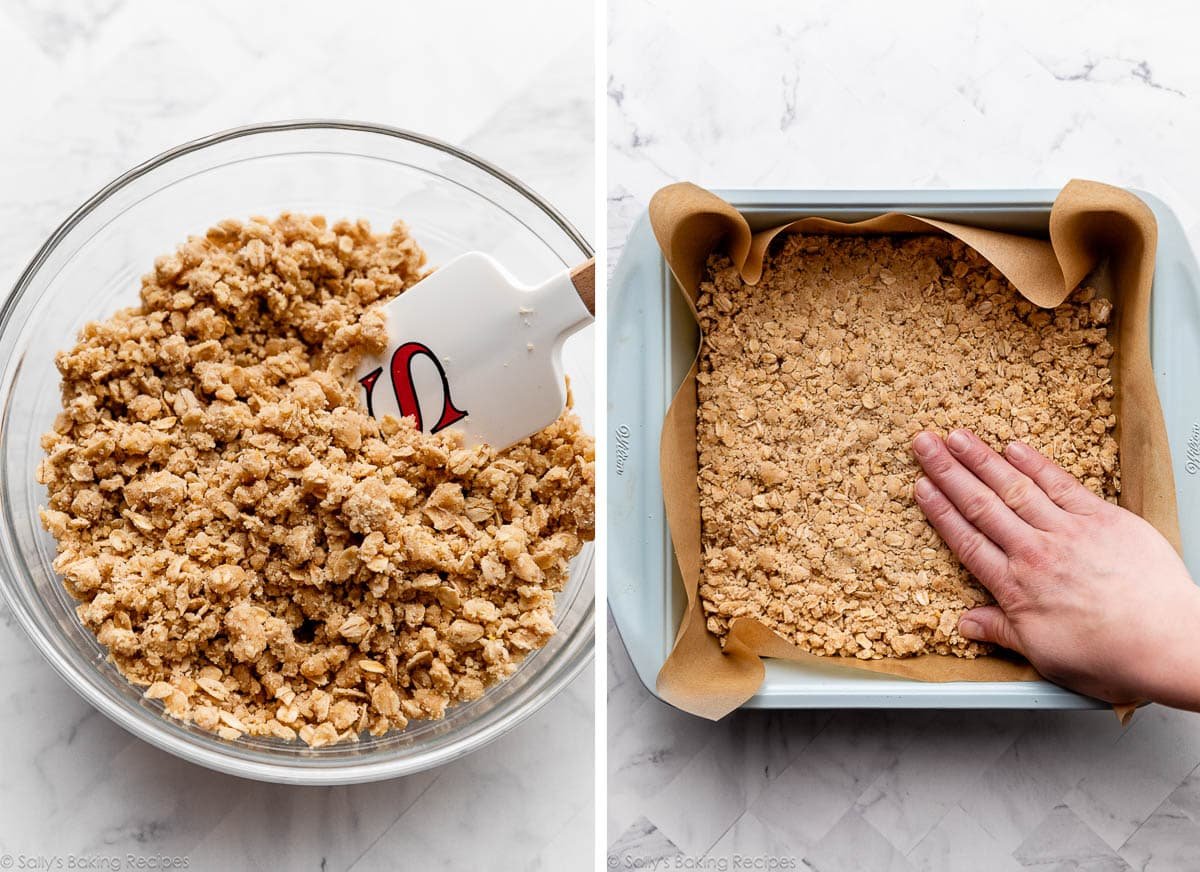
(583,277)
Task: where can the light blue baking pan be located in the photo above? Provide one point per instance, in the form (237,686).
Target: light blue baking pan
(652,341)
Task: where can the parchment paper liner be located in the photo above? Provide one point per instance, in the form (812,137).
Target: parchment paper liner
(1092,226)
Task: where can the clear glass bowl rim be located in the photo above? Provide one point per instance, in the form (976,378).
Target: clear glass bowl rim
(541,687)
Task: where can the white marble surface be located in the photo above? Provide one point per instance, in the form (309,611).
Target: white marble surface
(835,94)
(93,87)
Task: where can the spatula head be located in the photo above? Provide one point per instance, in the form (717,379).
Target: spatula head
(470,348)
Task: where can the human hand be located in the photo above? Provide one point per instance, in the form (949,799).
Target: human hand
(1092,595)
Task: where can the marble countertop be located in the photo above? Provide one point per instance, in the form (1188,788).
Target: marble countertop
(855,95)
(94,87)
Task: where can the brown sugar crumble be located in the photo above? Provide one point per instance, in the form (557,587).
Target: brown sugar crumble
(251,546)
(811,386)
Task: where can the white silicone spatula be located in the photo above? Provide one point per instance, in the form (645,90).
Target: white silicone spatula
(470,348)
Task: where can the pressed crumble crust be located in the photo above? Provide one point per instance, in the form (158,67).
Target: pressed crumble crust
(254,549)
(810,388)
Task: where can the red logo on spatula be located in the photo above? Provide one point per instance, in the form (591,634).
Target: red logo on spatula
(406,391)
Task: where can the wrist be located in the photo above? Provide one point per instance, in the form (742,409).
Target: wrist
(1172,666)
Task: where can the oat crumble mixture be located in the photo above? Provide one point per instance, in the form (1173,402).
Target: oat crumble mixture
(810,388)
(255,550)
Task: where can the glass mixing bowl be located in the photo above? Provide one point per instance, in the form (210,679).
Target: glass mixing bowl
(91,266)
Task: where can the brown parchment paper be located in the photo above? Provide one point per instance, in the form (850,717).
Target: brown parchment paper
(1092,227)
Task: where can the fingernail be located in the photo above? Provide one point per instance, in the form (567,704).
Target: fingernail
(970,628)
(925,444)
(959,441)
(1018,451)
(924,488)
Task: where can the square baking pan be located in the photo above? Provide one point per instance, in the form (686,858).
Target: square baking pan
(652,341)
